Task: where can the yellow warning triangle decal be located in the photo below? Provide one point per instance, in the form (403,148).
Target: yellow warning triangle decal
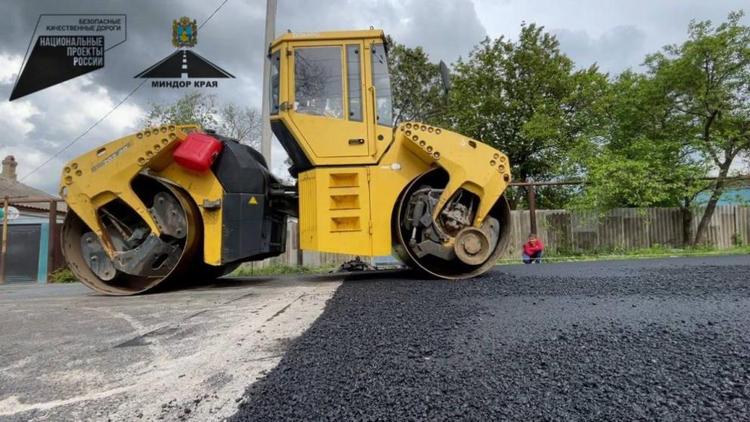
(253,201)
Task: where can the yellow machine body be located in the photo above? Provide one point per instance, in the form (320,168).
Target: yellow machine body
(359,165)
(100,176)
(350,209)
(365,185)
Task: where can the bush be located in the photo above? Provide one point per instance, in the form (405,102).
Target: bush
(62,275)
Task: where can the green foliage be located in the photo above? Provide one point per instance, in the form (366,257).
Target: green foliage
(738,240)
(639,140)
(686,118)
(554,197)
(526,99)
(707,79)
(416,85)
(241,123)
(191,108)
(642,159)
(62,275)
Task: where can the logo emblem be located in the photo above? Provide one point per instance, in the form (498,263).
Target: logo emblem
(184,63)
(65,46)
(184,32)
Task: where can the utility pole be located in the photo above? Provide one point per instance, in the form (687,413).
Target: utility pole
(4,247)
(265,139)
(531,191)
(52,237)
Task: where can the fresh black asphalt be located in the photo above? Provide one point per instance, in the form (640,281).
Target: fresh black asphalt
(647,340)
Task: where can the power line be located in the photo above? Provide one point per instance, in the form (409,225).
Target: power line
(212,14)
(107,114)
(101,119)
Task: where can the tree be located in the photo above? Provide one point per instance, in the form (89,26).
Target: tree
(642,159)
(686,118)
(707,78)
(526,99)
(416,85)
(241,123)
(191,108)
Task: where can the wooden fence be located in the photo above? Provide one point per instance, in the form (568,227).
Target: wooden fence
(565,231)
(625,229)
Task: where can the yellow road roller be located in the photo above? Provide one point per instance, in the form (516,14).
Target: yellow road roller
(173,204)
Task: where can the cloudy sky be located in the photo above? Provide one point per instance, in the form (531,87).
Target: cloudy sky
(615,34)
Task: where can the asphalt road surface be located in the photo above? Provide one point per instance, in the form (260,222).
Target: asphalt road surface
(648,340)
(68,354)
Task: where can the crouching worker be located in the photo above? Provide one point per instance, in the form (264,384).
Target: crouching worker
(532,250)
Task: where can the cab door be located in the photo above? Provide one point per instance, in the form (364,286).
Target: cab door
(327,99)
(379,97)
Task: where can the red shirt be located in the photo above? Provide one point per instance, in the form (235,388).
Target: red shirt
(530,249)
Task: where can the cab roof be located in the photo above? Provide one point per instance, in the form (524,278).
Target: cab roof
(331,35)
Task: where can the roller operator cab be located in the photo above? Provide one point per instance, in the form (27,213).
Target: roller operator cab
(177,203)
(366,185)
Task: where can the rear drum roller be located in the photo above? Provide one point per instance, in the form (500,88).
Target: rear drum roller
(451,247)
(142,261)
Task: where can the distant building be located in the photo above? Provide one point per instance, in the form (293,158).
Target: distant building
(11,187)
(738,193)
(28,235)
(736,196)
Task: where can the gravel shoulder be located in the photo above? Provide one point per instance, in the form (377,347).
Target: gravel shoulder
(654,339)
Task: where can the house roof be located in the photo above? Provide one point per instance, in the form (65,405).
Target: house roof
(15,189)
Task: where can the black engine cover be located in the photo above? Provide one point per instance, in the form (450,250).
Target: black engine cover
(252,230)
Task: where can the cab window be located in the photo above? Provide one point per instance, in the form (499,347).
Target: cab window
(275,73)
(318,81)
(354,83)
(382,83)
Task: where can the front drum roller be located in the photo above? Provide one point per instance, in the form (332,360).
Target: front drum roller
(143,262)
(474,251)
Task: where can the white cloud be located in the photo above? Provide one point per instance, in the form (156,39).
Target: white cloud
(599,23)
(29,157)
(620,48)
(76,104)
(37,127)
(16,123)
(615,34)
(9,65)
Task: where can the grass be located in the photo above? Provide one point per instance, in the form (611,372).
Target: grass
(642,253)
(62,275)
(248,269)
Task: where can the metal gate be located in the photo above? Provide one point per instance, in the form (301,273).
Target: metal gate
(22,261)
